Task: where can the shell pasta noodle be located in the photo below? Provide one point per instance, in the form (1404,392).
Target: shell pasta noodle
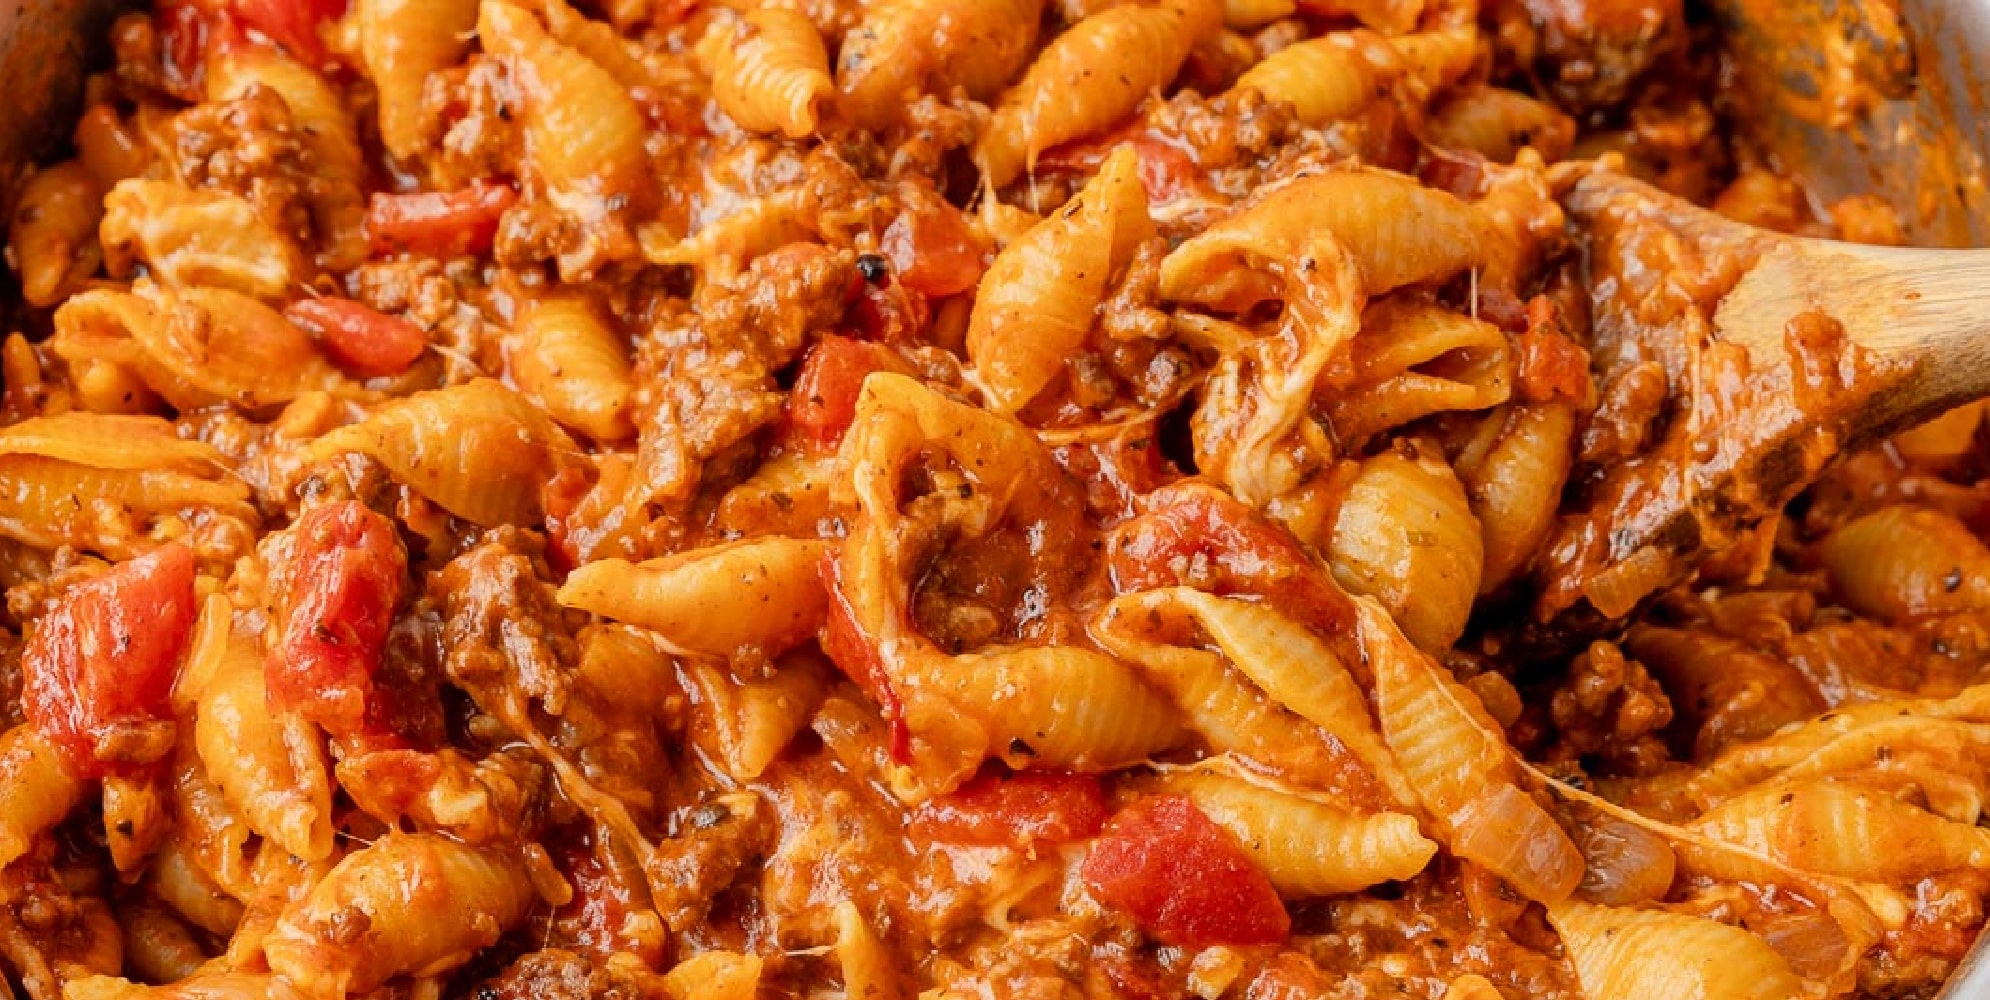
(940,499)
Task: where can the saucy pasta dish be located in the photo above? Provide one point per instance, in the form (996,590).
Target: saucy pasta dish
(944,499)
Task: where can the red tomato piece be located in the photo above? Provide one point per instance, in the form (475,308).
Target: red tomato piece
(292,25)
(439,223)
(1248,554)
(359,338)
(824,399)
(188,29)
(100,665)
(1016,810)
(596,918)
(1182,878)
(1166,171)
(1552,364)
(346,574)
(932,249)
(855,653)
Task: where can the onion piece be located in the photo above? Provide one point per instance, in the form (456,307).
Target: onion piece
(1623,864)
(1514,837)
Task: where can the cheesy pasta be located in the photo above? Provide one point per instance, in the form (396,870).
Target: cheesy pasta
(941,499)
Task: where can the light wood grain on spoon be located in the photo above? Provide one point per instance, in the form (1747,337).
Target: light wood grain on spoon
(1777,353)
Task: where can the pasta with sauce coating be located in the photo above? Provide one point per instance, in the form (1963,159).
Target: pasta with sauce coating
(1307,847)
(189,236)
(1621,954)
(891,54)
(568,361)
(1406,535)
(398,886)
(753,592)
(1457,760)
(337,209)
(583,136)
(772,74)
(1089,77)
(53,232)
(1337,75)
(195,346)
(764,594)
(41,789)
(401,43)
(270,767)
(476,450)
(1037,302)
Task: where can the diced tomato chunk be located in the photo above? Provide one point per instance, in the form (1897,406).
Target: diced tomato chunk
(188,30)
(824,399)
(1015,810)
(345,576)
(99,666)
(932,248)
(1166,172)
(855,653)
(1194,524)
(292,25)
(1552,364)
(439,223)
(1182,878)
(597,917)
(359,338)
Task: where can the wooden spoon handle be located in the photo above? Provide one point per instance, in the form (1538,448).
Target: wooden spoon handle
(1926,308)
(1775,355)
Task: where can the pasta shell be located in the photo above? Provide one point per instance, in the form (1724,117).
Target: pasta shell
(40,790)
(1906,563)
(401,43)
(1297,670)
(1044,706)
(196,346)
(1231,715)
(54,230)
(1622,954)
(393,885)
(1090,77)
(763,594)
(1497,124)
(84,480)
(476,450)
(270,767)
(568,361)
(773,74)
(1515,485)
(714,975)
(890,55)
(195,236)
(753,720)
(1328,78)
(1406,535)
(338,208)
(870,971)
(1038,300)
(1414,358)
(110,442)
(1752,763)
(1244,15)
(1398,231)
(1455,757)
(1307,847)
(212,844)
(583,134)
(1839,828)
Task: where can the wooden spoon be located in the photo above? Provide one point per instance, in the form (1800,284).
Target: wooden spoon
(1735,364)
